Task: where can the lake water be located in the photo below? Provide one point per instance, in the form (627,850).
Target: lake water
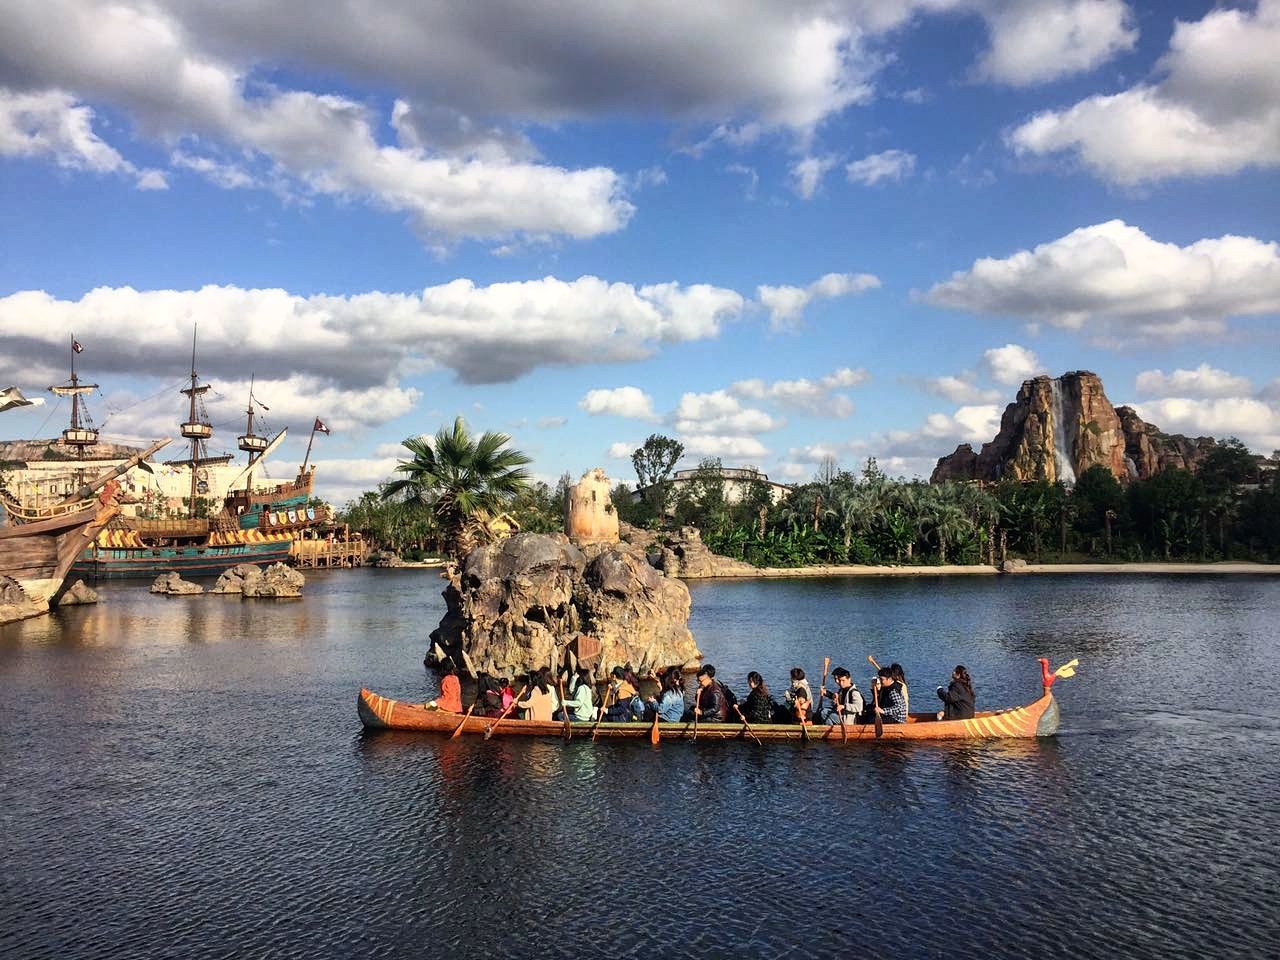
(188,778)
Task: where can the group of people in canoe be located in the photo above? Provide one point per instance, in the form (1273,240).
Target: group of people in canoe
(542,697)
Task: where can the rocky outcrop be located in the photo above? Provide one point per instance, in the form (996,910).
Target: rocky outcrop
(1148,451)
(78,593)
(589,513)
(532,599)
(638,537)
(383,558)
(172,585)
(1059,427)
(231,581)
(685,556)
(278,581)
(15,604)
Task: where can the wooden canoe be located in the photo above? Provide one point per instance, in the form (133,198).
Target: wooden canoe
(1038,719)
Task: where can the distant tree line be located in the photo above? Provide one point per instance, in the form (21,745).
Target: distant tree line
(450,487)
(868,518)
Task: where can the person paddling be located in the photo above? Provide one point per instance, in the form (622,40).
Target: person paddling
(891,707)
(540,702)
(581,699)
(958,697)
(799,688)
(450,688)
(669,706)
(844,704)
(758,705)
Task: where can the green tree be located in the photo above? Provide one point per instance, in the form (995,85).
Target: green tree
(1099,503)
(654,461)
(459,477)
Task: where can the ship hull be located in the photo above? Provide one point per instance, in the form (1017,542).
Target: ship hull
(40,556)
(106,563)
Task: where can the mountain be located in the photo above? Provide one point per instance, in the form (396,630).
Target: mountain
(1058,427)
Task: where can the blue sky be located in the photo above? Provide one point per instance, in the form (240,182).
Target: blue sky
(780,231)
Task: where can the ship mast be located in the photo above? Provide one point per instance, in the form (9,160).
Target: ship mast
(250,442)
(197,430)
(81,434)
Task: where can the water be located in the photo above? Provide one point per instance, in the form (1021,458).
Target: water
(1061,455)
(188,778)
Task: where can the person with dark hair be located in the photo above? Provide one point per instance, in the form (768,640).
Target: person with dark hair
(582,697)
(540,701)
(450,688)
(710,703)
(488,696)
(844,704)
(890,704)
(958,697)
(669,706)
(758,706)
(799,685)
(508,693)
(623,698)
(901,678)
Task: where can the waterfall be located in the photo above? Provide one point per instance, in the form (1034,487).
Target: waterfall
(1061,456)
(1131,467)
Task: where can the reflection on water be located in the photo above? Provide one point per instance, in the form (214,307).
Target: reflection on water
(187,777)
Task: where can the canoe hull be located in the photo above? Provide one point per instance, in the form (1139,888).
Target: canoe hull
(1038,719)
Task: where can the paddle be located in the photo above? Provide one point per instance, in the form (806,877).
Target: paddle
(489,728)
(697,705)
(875,698)
(457,731)
(654,736)
(564,708)
(746,726)
(604,705)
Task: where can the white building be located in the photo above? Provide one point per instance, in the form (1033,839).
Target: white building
(737,484)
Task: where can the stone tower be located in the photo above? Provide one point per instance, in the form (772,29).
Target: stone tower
(589,516)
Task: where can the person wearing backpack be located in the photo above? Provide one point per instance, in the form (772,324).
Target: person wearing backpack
(844,704)
(625,699)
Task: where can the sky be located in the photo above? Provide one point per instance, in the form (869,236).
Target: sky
(779,231)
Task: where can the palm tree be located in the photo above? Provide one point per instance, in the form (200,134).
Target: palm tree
(459,476)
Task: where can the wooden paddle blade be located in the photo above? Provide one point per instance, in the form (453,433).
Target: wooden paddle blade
(457,732)
(879,726)
(654,736)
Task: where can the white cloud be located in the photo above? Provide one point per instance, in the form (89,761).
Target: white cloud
(50,123)
(1215,111)
(786,304)
(484,334)
(720,413)
(728,447)
(808,172)
(229,176)
(1254,421)
(959,390)
(552,423)
(813,396)
(619,402)
(1116,281)
(1203,381)
(622,449)
(1011,364)
(886,165)
(342,480)
(1034,41)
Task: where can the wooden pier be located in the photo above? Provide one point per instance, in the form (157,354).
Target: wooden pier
(328,553)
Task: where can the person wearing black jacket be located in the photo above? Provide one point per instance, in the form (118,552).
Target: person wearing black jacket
(758,707)
(958,696)
(710,705)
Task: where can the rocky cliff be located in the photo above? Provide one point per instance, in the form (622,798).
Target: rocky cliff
(530,600)
(1059,427)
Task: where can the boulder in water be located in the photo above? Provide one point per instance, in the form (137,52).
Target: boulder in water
(232,581)
(172,585)
(78,593)
(277,581)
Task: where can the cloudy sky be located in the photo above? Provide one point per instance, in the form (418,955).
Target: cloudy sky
(778,230)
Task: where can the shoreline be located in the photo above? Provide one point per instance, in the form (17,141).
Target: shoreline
(851,570)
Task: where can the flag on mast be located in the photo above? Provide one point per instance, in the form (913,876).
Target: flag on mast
(76,345)
(320,427)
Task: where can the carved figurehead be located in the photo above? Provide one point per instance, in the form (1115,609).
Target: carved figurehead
(1047,678)
(589,514)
